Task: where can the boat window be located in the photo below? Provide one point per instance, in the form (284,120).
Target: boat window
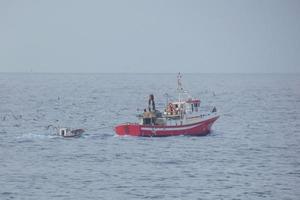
(192,107)
(196,107)
(147,121)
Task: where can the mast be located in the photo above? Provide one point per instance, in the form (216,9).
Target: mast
(179,86)
(180,90)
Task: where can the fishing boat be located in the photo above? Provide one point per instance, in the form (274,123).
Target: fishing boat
(181,117)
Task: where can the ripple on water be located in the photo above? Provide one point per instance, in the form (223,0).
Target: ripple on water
(251,153)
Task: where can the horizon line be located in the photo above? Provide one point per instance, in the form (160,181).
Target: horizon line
(244,73)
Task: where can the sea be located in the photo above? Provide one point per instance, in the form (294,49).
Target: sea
(252,152)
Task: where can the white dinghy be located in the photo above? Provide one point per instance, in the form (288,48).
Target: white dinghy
(67,132)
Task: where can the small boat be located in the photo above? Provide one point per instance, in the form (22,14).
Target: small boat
(67,132)
(181,117)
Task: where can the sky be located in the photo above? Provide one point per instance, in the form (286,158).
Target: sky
(153,36)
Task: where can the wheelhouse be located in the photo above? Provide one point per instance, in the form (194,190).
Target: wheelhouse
(192,105)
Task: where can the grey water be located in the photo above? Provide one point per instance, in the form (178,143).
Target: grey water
(253,151)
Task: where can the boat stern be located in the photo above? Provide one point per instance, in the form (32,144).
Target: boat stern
(128,129)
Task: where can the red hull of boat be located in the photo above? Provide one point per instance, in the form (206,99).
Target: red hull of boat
(197,129)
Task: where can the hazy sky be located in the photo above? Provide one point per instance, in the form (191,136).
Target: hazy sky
(150,36)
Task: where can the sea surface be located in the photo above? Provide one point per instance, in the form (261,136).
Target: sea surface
(253,151)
